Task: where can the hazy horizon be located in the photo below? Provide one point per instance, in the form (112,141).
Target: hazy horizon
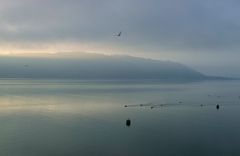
(206,70)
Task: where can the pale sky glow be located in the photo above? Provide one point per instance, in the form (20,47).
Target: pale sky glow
(203,34)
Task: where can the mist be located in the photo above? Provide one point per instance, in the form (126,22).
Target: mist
(202,34)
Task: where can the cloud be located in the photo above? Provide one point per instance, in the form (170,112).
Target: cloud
(188,31)
(186,24)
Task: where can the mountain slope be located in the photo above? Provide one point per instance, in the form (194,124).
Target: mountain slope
(93,66)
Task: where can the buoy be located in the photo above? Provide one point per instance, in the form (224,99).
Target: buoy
(217,106)
(128,122)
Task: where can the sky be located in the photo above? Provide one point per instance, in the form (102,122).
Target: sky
(203,34)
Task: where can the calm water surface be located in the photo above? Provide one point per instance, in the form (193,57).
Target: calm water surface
(60,117)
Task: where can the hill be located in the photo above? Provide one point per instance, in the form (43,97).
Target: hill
(93,66)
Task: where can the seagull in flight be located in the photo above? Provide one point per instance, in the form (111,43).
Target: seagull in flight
(119,34)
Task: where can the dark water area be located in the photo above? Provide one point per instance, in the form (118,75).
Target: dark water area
(63,117)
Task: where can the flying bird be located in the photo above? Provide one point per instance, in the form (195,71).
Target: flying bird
(119,34)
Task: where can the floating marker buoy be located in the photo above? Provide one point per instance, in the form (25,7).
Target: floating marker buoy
(128,122)
(217,106)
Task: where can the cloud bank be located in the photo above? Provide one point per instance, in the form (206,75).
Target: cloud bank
(186,30)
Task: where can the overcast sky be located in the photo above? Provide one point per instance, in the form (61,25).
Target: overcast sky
(203,34)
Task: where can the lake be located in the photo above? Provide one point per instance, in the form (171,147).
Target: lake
(88,118)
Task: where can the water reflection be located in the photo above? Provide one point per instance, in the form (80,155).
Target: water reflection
(87,119)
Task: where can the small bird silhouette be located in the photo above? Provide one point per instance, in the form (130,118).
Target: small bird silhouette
(119,34)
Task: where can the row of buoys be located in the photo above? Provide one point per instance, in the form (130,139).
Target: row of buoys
(217,106)
(139,105)
(159,105)
(151,105)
